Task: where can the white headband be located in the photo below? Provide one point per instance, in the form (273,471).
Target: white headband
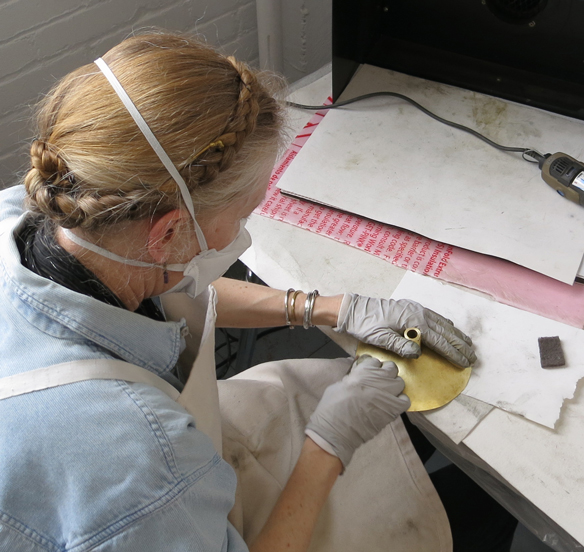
(155,144)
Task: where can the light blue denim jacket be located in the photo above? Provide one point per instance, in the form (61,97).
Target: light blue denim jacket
(98,465)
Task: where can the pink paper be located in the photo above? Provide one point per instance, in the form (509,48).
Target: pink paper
(506,282)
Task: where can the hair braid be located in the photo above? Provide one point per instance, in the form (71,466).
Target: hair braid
(52,191)
(240,125)
(49,183)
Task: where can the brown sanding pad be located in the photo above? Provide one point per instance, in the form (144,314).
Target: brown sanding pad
(550,352)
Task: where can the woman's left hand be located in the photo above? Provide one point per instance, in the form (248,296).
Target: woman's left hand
(382,322)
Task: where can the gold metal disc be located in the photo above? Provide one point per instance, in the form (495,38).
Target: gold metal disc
(431,380)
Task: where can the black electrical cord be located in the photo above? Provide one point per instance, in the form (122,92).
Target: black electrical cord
(529,152)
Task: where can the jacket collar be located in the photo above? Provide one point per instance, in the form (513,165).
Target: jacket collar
(58,311)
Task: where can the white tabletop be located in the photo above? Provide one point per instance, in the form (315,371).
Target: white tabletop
(535,472)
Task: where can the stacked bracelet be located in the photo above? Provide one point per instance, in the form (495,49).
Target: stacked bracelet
(308,308)
(286,303)
(290,307)
(293,307)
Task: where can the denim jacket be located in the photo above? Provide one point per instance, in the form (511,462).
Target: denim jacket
(100,465)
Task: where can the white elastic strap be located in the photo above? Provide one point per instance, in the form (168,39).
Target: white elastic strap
(155,144)
(105,253)
(81,370)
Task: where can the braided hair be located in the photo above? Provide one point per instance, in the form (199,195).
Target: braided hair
(217,119)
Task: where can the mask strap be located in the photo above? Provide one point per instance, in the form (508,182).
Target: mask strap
(155,144)
(108,254)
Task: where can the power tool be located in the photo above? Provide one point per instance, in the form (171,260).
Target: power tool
(564,174)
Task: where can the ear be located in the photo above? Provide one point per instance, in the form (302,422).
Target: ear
(164,235)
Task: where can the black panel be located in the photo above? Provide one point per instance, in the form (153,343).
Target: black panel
(356,29)
(529,51)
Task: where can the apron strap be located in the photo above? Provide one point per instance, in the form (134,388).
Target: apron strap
(81,370)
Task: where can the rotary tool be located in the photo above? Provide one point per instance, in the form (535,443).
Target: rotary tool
(564,174)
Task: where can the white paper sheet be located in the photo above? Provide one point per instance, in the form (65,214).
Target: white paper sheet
(543,465)
(508,374)
(386,160)
(459,417)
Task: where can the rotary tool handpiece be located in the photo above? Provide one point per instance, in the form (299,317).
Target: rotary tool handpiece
(565,175)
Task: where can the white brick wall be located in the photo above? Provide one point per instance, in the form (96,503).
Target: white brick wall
(42,40)
(307,32)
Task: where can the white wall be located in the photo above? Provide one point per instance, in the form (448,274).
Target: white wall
(42,40)
(307,30)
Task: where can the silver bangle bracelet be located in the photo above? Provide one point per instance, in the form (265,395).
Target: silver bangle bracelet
(308,308)
(286,303)
(293,307)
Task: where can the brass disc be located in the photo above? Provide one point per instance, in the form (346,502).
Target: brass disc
(431,380)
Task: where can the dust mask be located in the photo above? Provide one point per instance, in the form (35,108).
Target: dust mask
(209,264)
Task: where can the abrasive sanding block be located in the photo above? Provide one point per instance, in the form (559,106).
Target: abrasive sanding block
(550,352)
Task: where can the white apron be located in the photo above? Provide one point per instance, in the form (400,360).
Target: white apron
(383,502)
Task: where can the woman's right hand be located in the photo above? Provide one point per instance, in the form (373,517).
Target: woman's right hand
(350,413)
(355,409)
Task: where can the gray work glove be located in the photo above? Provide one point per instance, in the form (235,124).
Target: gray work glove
(355,409)
(382,322)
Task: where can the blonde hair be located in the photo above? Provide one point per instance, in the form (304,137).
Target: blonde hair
(92,167)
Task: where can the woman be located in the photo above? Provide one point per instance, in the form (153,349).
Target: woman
(146,165)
